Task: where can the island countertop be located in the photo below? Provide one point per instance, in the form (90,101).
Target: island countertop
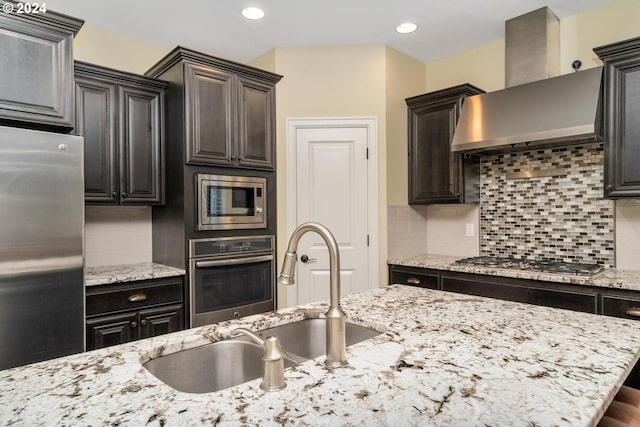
(444,359)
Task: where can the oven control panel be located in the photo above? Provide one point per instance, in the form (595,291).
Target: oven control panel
(230,245)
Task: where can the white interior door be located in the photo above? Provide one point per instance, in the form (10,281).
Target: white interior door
(332,188)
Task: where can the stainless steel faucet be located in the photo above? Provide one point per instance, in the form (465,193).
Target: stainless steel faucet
(272,360)
(336,318)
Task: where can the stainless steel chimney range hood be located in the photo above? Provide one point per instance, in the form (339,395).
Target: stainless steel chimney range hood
(554,111)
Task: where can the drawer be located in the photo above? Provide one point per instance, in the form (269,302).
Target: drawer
(133,295)
(529,292)
(413,277)
(621,306)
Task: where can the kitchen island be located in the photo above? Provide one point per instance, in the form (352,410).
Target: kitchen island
(443,359)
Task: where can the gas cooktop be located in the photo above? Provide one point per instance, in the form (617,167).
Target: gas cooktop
(546,266)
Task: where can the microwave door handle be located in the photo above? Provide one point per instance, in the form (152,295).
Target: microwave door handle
(233,261)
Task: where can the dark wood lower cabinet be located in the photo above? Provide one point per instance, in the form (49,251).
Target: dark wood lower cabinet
(125,312)
(521,290)
(414,276)
(589,299)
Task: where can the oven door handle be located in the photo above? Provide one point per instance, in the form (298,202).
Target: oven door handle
(233,261)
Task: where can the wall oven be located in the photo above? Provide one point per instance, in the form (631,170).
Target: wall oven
(231,202)
(231,277)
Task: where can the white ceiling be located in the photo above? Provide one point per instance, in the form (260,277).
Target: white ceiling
(217,27)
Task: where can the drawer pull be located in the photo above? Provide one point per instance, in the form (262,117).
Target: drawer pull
(633,311)
(413,281)
(137,297)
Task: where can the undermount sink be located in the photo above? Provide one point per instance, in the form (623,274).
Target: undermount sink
(211,367)
(307,338)
(224,364)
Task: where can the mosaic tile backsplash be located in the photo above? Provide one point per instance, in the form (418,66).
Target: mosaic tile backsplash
(561,218)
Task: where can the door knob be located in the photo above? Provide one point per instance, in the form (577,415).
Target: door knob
(305,259)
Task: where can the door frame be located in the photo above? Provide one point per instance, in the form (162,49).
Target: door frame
(371,125)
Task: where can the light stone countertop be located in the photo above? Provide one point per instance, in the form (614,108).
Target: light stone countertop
(610,278)
(444,359)
(128,273)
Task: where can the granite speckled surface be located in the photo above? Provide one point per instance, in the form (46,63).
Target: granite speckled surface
(610,278)
(444,359)
(128,273)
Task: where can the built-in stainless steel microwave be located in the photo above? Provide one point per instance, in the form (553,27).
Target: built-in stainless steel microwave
(231,202)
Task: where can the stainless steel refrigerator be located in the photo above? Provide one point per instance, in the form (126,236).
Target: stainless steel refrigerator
(41,246)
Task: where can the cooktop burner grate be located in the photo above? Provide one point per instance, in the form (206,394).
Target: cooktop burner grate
(546,266)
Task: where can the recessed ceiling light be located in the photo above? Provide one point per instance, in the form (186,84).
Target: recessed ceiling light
(253,13)
(407,27)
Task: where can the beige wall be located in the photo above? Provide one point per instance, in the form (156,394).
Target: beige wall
(266,61)
(100,47)
(610,23)
(482,67)
(404,78)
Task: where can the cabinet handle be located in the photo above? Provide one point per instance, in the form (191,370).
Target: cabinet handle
(137,297)
(143,322)
(633,311)
(114,194)
(413,281)
(124,195)
(608,187)
(134,324)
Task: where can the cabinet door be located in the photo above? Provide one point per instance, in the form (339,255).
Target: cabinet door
(436,175)
(622,176)
(160,321)
(256,141)
(111,330)
(210,116)
(95,120)
(37,73)
(431,176)
(141,145)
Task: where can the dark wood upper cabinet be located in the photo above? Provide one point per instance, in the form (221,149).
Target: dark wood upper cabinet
(121,117)
(437,175)
(256,115)
(36,65)
(621,118)
(228,109)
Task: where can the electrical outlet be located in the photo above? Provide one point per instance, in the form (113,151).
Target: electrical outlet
(470,232)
